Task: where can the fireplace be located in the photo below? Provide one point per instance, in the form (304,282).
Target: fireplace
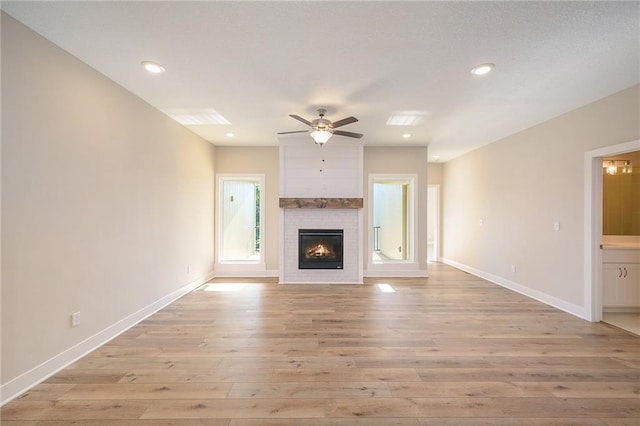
(320,248)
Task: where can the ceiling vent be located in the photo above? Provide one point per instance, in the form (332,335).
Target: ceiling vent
(197,117)
(406,118)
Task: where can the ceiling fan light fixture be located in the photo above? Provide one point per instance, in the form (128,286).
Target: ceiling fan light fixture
(322,129)
(320,136)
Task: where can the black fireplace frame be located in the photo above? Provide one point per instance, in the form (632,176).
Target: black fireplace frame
(338,263)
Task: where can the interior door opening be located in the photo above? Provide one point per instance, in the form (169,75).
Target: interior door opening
(621,241)
(593,226)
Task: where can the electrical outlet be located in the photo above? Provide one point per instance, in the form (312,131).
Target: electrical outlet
(481,222)
(556,226)
(513,268)
(75,319)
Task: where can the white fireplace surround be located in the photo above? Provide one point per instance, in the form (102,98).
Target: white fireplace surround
(348,220)
(332,171)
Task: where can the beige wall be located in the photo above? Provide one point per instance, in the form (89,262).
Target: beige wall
(434,174)
(520,186)
(263,160)
(107,203)
(404,160)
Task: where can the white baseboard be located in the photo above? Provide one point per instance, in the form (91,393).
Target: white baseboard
(240,273)
(547,299)
(17,386)
(319,283)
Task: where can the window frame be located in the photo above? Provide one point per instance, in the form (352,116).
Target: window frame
(411,262)
(249,177)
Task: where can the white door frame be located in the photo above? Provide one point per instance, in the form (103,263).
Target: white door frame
(593,225)
(436,220)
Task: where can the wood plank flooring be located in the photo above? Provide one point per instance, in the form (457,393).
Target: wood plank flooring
(448,350)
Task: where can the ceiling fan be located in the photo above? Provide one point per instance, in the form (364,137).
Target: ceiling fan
(322,129)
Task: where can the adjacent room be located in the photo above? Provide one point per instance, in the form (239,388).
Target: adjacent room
(320,213)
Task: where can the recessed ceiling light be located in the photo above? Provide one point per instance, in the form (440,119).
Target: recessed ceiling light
(406,118)
(436,157)
(482,69)
(406,135)
(229,134)
(152,67)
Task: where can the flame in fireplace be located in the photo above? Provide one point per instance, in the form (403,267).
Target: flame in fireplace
(319,250)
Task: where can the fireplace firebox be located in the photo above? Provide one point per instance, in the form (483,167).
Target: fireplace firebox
(320,248)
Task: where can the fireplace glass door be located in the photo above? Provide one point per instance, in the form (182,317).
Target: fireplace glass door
(320,248)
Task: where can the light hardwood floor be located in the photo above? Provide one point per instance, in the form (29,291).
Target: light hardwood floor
(449,350)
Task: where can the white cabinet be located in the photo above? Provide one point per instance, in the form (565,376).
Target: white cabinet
(610,274)
(620,282)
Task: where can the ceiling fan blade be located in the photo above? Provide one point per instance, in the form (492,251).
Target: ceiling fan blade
(343,122)
(297,117)
(348,134)
(296,131)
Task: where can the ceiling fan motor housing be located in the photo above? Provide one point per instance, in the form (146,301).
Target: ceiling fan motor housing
(321,124)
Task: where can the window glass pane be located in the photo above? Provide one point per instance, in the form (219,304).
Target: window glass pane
(240,220)
(390,220)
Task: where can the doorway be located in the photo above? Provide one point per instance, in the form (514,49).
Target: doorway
(621,241)
(593,226)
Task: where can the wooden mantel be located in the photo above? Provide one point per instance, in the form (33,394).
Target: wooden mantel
(321,203)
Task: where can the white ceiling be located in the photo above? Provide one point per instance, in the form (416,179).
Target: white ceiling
(257,62)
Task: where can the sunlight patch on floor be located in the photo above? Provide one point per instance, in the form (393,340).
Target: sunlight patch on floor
(386,288)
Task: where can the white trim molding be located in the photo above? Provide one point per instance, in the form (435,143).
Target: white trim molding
(17,386)
(239,271)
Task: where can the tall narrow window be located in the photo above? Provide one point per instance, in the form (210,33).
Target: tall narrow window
(240,219)
(392,219)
